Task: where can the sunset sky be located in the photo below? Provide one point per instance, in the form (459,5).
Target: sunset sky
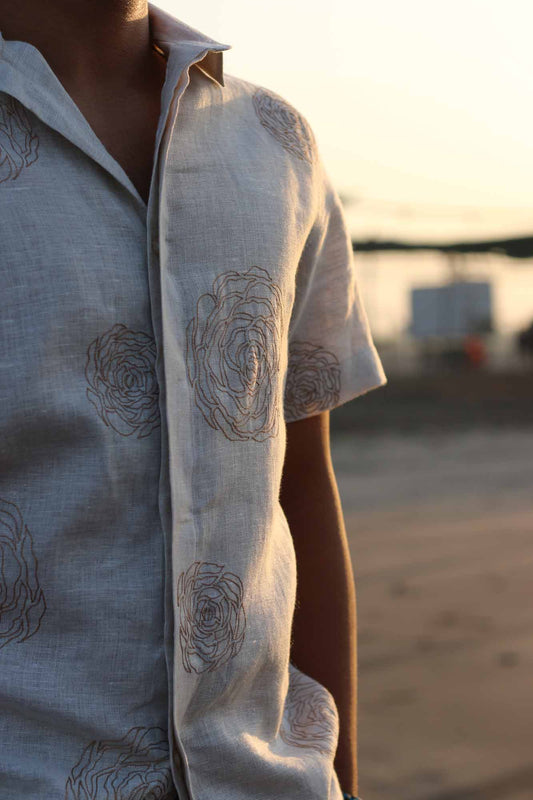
(423,111)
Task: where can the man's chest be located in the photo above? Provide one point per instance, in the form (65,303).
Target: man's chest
(127,131)
(125,121)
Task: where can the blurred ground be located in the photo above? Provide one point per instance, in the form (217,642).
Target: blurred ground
(440,527)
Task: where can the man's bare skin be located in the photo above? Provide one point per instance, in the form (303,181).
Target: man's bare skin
(101,52)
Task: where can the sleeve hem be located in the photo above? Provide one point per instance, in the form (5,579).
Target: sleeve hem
(360,373)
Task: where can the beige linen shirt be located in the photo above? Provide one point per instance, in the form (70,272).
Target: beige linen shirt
(151,358)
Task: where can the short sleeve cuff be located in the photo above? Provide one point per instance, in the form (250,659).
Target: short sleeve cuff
(329,383)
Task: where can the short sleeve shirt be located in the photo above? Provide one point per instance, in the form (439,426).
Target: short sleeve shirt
(152,355)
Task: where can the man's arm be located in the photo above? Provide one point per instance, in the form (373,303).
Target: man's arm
(324,630)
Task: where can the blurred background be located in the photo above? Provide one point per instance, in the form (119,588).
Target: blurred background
(423,113)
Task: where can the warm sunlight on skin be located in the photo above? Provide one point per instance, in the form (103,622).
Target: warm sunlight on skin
(411,102)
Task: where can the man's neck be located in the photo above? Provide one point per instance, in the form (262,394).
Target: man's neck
(85,42)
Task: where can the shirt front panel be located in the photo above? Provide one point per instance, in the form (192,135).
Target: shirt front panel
(82,618)
(236,213)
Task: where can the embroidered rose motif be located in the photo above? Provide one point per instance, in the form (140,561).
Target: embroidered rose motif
(121,374)
(285,123)
(313,380)
(233,354)
(136,767)
(212,619)
(19,145)
(22,602)
(310,718)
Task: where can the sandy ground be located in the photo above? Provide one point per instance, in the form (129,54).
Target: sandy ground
(440,530)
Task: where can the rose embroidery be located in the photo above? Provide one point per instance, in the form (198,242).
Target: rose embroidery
(310,718)
(123,385)
(22,602)
(233,354)
(136,767)
(212,619)
(313,381)
(18,143)
(285,123)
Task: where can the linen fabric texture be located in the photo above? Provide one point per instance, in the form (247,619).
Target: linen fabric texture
(152,355)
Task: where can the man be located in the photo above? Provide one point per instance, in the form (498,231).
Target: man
(180,314)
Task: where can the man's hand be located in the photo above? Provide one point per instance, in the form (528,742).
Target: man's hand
(324,629)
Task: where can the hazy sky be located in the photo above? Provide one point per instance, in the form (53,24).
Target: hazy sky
(423,110)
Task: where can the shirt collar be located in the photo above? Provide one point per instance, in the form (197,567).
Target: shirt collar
(168,32)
